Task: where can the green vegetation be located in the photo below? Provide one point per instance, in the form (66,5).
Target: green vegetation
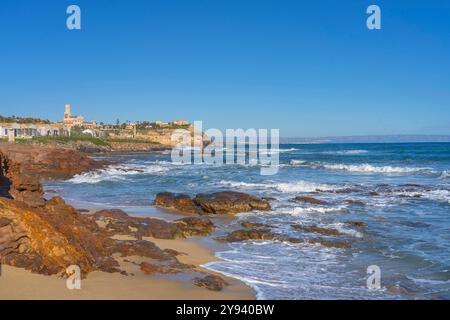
(73,138)
(130,140)
(14,119)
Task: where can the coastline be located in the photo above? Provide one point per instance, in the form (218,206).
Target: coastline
(184,278)
(18,283)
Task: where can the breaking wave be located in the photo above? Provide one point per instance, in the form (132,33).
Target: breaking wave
(284,187)
(117,173)
(361,168)
(346,152)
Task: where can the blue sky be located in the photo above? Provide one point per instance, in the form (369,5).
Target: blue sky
(310,68)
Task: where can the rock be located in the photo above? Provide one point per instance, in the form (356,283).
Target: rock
(358,224)
(230,202)
(17,185)
(196,226)
(309,200)
(374,194)
(211,282)
(119,222)
(181,202)
(250,234)
(330,243)
(50,162)
(315,229)
(253,225)
(150,268)
(396,289)
(142,248)
(268,198)
(30,242)
(355,202)
(417,195)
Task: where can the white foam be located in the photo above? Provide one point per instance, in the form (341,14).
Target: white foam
(285,187)
(117,173)
(445,174)
(368,168)
(346,152)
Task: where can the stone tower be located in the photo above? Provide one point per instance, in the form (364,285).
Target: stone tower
(67,112)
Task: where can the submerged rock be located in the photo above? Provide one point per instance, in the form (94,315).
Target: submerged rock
(315,229)
(253,225)
(310,200)
(248,234)
(358,224)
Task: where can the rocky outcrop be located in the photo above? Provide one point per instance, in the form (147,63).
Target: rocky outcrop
(47,236)
(224,202)
(195,226)
(118,222)
(28,241)
(180,202)
(230,202)
(16,184)
(309,200)
(46,163)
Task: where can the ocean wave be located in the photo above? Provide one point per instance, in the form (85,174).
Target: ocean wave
(300,211)
(346,152)
(284,187)
(445,174)
(117,173)
(361,168)
(368,168)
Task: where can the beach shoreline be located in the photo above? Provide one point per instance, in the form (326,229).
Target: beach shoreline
(20,284)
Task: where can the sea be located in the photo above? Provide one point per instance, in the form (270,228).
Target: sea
(401,191)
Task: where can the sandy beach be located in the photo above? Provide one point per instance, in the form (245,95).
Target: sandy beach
(17,283)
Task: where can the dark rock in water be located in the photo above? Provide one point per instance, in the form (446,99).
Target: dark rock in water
(196,226)
(410,196)
(396,289)
(253,225)
(230,202)
(266,234)
(331,243)
(348,190)
(373,193)
(315,229)
(181,202)
(355,202)
(249,234)
(211,282)
(310,200)
(358,224)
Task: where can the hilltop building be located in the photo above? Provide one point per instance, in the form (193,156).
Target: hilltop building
(76,121)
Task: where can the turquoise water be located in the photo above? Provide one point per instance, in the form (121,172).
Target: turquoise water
(408,233)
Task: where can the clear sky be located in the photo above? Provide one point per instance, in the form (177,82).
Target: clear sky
(310,68)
